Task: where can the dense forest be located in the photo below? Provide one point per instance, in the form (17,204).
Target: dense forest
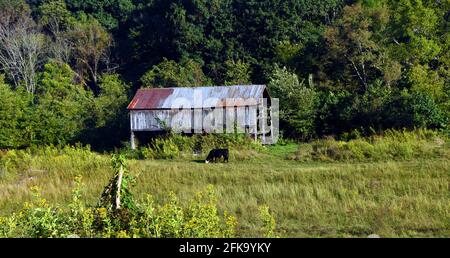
(68,68)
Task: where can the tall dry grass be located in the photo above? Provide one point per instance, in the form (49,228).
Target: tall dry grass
(403,195)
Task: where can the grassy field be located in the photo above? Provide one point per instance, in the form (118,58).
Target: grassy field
(313,198)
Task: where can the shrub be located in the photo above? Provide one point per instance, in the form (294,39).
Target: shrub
(416,109)
(178,146)
(298,103)
(393,144)
(62,106)
(70,159)
(268,222)
(334,112)
(12,111)
(168,73)
(200,218)
(108,122)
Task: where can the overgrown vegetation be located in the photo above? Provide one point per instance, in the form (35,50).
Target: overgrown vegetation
(375,68)
(178,146)
(69,67)
(118,215)
(394,185)
(392,145)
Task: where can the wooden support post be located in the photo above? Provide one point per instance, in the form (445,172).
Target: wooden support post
(255,130)
(271,125)
(246,121)
(132,139)
(224,126)
(263,124)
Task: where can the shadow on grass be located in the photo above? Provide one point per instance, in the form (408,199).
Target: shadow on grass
(199,161)
(203,161)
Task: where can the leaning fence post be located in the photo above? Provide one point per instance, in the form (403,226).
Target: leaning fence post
(119,186)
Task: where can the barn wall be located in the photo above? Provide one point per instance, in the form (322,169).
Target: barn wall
(184,120)
(147,120)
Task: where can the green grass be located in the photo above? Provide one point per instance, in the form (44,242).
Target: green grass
(405,197)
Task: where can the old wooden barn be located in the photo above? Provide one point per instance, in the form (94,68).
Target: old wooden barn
(217,109)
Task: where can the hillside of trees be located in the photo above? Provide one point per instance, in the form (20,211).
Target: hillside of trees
(68,68)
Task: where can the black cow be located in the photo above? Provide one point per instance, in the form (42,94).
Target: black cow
(215,154)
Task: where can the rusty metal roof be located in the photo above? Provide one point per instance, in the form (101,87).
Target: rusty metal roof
(197,97)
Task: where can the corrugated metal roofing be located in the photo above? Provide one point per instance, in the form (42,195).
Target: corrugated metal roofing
(197,97)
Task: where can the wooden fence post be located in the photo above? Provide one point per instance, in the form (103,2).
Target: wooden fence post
(119,187)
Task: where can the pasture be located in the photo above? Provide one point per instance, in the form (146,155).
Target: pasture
(398,197)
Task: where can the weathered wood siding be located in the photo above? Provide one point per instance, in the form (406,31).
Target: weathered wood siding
(220,119)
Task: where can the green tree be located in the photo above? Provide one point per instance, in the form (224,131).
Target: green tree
(110,13)
(356,55)
(426,80)
(169,73)
(298,103)
(112,100)
(12,113)
(414,27)
(220,30)
(62,107)
(110,122)
(238,72)
(415,109)
(286,52)
(55,13)
(91,44)
(421,40)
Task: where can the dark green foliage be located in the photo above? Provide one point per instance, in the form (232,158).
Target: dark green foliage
(62,106)
(109,12)
(108,122)
(169,73)
(178,146)
(332,115)
(221,30)
(298,102)
(238,73)
(12,114)
(378,109)
(415,110)
(370,65)
(112,191)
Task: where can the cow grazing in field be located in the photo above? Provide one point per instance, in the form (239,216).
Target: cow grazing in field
(216,154)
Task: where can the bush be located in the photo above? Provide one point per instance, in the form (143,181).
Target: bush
(178,146)
(69,159)
(298,103)
(199,218)
(109,122)
(393,144)
(334,113)
(415,110)
(62,106)
(377,109)
(13,106)
(168,73)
